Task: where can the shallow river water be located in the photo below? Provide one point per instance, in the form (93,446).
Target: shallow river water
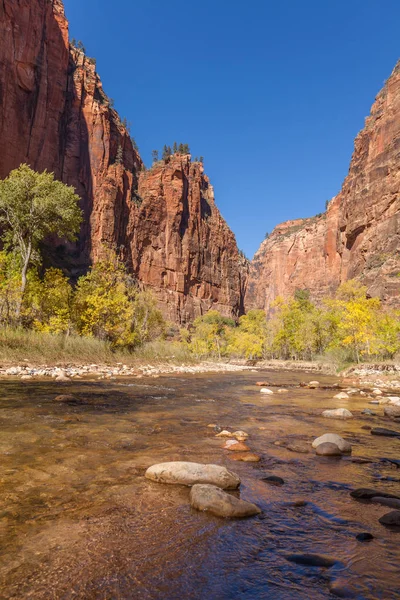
(79,520)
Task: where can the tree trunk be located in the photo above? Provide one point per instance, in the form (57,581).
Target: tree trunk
(23,282)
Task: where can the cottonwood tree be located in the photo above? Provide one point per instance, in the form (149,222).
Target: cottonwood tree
(32,207)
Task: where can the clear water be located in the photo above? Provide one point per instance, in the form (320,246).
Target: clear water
(79,520)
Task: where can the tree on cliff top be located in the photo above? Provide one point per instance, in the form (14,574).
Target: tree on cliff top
(32,207)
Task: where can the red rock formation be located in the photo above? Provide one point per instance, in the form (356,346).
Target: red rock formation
(358,236)
(54,115)
(192,263)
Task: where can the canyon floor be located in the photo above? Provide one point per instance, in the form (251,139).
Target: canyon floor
(78,519)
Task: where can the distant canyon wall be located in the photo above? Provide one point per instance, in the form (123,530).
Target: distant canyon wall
(359,234)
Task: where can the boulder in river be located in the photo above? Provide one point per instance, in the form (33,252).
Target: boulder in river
(328,449)
(391,519)
(189,473)
(393,412)
(333,438)
(212,499)
(337,413)
(312,560)
(266,391)
(385,432)
(367,494)
(341,396)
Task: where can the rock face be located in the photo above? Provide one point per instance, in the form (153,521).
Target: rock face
(359,234)
(55,115)
(181,247)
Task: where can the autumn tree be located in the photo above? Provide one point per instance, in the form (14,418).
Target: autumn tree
(32,207)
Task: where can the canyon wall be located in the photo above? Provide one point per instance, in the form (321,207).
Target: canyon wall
(359,234)
(55,115)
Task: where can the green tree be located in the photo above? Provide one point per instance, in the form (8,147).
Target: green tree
(175,148)
(154,154)
(34,206)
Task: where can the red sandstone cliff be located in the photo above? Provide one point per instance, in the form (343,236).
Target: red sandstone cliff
(358,236)
(54,115)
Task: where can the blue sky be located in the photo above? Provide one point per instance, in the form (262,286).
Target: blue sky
(271,93)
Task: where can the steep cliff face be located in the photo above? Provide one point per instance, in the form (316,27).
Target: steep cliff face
(54,115)
(181,246)
(358,236)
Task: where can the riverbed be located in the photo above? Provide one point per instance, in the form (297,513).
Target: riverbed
(78,519)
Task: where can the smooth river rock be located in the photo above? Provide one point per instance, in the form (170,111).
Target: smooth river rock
(337,413)
(391,502)
(212,499)
(391,519)
(367,494)
(333,438)
(189,473)
(341,396)
(274,480)
(385,432)
(266,391)
(328,449)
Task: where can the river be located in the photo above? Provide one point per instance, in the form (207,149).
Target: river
(78,519)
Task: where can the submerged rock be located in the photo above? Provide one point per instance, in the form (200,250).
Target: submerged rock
(364,537)
(212,499)
(274,480)
(262,383)
(333,438)
(246,457)
(301,448)
(337,413)
(67,399)
(328,449)
(385,432)
(391,502)
(391,519)
(189,473)
(312,560)
(367,494)
(341,396)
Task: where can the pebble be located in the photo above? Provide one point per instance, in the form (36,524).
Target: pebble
(364,537)
(301,448)
(262,383)
(224,433)
(341,396)
(313,385)
(235,446)
(337,413)
(266,391)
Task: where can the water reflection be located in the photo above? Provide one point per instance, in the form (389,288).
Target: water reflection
(78,519)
